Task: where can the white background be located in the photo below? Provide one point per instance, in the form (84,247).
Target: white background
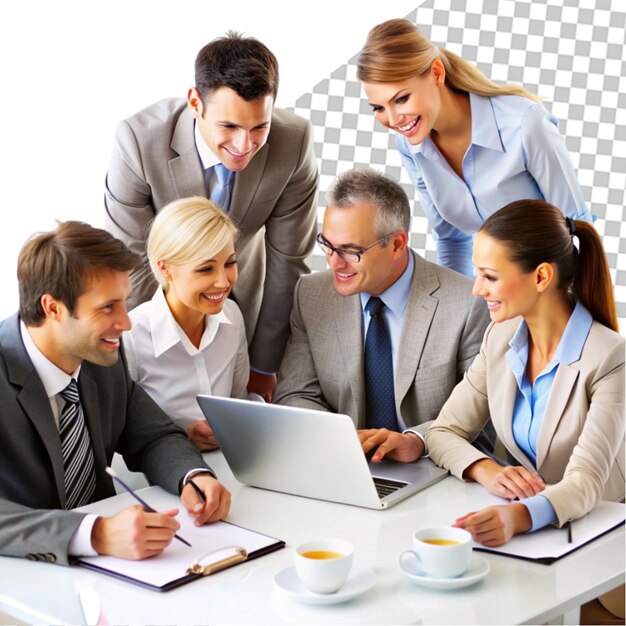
(72,69)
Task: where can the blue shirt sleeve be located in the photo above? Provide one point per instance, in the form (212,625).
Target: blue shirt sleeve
(454,247)
(549,163)
(456,254)
(541,512)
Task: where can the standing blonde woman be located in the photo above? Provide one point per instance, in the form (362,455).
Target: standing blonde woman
(469,145)
(190,337)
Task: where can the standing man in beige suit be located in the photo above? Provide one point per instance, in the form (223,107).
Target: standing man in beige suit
(384,335)
(229,143)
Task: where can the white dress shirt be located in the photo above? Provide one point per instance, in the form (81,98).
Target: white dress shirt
(207,156)
(173,371)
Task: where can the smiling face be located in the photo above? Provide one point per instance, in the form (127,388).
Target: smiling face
(352,228)
(92,333)
(234,129)
(410,107)
(200,287)
(507,290)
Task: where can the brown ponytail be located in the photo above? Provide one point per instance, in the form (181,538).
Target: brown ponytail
(535,232)
(592,279)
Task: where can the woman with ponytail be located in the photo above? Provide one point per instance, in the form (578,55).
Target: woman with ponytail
(550,374)
(469,145)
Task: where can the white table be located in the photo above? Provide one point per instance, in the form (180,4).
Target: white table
(515,591)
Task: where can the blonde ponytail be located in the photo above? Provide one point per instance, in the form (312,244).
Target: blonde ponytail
(396,51)
(463,76)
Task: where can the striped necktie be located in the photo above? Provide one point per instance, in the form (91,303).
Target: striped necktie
(220,189)
(379,391)
(78,462)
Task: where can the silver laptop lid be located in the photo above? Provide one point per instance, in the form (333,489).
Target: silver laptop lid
(302,452)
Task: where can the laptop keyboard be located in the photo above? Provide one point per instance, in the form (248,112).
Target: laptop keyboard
(384,486)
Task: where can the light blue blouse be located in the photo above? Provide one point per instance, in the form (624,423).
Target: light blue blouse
(516,153)
(531,400)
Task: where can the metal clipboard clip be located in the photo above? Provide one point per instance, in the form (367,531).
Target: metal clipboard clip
(201,567)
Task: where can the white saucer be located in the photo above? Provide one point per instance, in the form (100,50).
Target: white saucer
(478,569)
(360,579)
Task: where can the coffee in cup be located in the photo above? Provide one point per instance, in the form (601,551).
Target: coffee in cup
(323,565)
(440,552)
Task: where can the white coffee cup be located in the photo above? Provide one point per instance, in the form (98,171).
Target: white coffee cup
(440,552)
(323,565)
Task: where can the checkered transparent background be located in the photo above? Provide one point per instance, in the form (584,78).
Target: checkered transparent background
(570,52)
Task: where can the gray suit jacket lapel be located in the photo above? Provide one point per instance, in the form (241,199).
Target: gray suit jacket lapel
(186,168)
(188,176)
(418,316)
(348,324)
(33,399)
(89,401)
(246,185)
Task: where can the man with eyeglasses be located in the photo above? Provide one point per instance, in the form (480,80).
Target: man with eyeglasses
(383,335)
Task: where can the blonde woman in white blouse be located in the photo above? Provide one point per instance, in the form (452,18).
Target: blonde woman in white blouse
(190,337)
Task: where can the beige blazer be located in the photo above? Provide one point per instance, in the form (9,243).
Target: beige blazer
(441,333)
(273,202)
(580,448)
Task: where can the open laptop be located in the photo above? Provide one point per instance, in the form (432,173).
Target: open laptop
(309,453)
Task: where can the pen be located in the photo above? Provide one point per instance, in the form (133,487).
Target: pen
(111,472)
(569,532)
(197,490)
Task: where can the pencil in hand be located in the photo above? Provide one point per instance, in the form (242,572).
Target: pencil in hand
(111,472)
(199,493)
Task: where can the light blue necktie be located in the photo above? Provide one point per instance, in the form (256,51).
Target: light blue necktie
(220,189)
(379,391)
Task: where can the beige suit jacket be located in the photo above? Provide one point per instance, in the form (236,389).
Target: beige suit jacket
(441,334)
(580,448)
(273,202)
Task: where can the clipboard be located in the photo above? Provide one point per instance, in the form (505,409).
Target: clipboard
(549,544)
(214,547)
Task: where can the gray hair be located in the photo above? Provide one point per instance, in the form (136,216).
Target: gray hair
(366,185)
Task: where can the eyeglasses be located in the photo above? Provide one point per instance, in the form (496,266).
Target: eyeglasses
(349,256)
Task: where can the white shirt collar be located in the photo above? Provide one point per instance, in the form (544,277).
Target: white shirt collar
(207,156)
(166,332)
(54,379)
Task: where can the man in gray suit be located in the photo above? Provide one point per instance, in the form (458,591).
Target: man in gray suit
(67,404)
(433,323)
(176,148)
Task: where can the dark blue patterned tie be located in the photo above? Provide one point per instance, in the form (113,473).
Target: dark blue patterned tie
(78,463)
(220,190)
(379,393)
